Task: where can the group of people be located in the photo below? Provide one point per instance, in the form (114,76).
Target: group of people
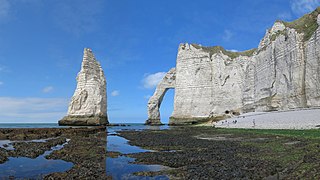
(226,122)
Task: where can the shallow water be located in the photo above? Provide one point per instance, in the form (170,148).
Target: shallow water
(122,167)
(22,167)
(30,125)
(8,144)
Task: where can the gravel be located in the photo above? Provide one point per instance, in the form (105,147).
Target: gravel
(297,119)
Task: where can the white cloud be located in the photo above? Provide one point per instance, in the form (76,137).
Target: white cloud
(4,8)
(301,7)
(32,109)
(227,35)
(286,16)
(115,93)
(152,80)
(233,50)
(47,89)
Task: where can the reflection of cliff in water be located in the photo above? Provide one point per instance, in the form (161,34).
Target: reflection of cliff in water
(120,166)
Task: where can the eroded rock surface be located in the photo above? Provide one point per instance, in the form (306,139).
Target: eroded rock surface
(168,82)
(88,105)
(282,73)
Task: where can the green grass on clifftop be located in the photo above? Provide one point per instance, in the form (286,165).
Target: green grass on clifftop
(215,49)
(307,24)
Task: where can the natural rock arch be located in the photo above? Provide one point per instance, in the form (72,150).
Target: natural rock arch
(168,82)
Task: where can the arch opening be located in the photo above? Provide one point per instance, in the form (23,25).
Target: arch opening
(166,106)
(154,103)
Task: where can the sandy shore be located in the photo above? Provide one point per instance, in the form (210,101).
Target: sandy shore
(297,119)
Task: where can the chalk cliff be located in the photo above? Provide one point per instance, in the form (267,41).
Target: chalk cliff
(283,73)
(154,103)
(88,105)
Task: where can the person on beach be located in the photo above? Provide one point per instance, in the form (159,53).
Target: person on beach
(254,123)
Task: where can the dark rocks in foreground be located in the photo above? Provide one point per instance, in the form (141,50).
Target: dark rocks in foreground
(209,153)
(86,149)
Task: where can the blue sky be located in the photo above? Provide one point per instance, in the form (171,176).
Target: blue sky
(136,41)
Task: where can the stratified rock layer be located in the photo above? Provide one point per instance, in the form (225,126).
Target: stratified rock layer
(88,105)
(282,73)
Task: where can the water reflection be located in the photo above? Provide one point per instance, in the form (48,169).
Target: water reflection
(87,150)
(8,144)
(122,167)
(22,167)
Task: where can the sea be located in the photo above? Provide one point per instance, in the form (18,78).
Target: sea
(34,168)
(30,125)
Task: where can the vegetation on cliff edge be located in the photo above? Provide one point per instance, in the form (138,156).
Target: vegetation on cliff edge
(215,49)
(307,24)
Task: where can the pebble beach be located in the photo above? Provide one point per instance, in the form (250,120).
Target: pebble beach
(295,119)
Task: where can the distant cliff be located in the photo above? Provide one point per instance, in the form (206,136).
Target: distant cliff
(282,73)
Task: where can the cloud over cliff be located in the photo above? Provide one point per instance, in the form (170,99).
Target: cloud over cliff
(300,7)
(151,80)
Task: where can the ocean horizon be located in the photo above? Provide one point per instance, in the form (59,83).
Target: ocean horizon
(48,125)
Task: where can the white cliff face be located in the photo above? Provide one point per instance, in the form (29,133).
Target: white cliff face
(312,83)
(89,103)
(192,88)
(207,85)
(282,74)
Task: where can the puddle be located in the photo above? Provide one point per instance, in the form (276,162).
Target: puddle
(122,167)
(112,130)
(219,137)
(227,137)
(8,144)
(120,144)
(22,167)
(258,139)
(292,143)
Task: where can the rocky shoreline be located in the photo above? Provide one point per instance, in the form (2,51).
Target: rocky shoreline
(189,152)
(86,149)
(205,152)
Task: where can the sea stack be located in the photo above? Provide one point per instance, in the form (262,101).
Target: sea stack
(88,106)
